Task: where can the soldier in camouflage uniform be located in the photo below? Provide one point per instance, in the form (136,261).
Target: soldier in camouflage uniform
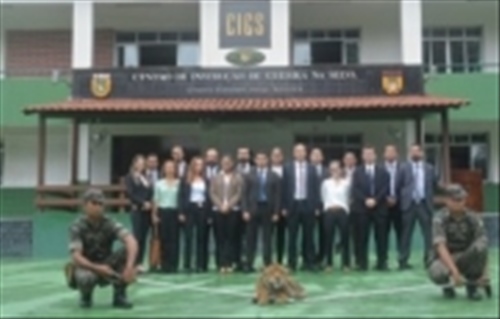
(93,261)
(460,247)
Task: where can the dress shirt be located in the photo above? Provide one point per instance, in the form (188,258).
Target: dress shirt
(336,193)
(165,194)
(370,170)
(300,180)
(418,176)
(198,191)
(278,170)
(349,171)
(319,170)
(211,171)
(181,168)
(391,169)
(152,175)
(262,175)
(244,168)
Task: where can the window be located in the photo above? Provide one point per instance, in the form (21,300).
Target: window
(333,146)
(467,151)
(312,47)
(455,50)
(156,49)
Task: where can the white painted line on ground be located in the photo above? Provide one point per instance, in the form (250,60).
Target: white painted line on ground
(196,288)
(389,291)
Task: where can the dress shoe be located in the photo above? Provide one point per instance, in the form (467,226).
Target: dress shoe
(472,293)
(249,270)
(449,293)
(487,290)
(405,266)
(382,267)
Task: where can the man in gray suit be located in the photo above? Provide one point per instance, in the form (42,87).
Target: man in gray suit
(418,181)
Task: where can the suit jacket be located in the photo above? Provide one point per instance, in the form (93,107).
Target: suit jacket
(236,191)
(273,191)
(407,185)
(185,195)
(288,187)
(361,188)
(321,177)
(397,182)
(207,174)
(137,193)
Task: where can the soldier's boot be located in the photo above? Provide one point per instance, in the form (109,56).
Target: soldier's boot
(86,299)
(472,293)
(488,291)
(449,293)
(120,297)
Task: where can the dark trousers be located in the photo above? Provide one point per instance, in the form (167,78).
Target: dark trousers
(280,231)
(187,230)
(141,223)
(301,217)
(366,220)
(212,233)
(239,241)
(169,235)
(332,220)
(200,216)
(420,212)
(394,221)
(321,238)
(225,226)
(262,218)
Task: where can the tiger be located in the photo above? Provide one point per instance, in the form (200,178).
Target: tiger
(275,285)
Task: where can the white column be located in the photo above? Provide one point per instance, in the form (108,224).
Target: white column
(82,57)
(2,51)
(410,29)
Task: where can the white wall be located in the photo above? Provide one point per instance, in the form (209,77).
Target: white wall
(21,153)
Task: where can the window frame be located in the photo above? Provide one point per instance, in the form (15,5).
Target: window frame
(329,143)
(428,39)
(180,37)
(308,38)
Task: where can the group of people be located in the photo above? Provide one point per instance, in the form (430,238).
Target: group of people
(229,201)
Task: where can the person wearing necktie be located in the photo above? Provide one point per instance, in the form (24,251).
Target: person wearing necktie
(243,168)
(300,206)
(178,157)
(152,171)
(212,169)
(277,159)
(370,188)
(350,162)
(316,159)
(261,209)
(394,218)
(419,181)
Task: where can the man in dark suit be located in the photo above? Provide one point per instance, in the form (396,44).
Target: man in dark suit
(177,154)
(394,218)
(370,188)
(280,226)
(152,171)
(243,167)
(261,208)
(212,169)
(244,164)
(300,206)
(316,158)
(419,181)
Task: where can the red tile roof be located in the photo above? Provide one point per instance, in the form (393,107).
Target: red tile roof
(245,104)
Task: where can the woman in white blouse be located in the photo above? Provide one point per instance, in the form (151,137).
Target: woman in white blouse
(335,192)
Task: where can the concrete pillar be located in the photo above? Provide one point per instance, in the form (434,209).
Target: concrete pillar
(3,42)
(222,31)
(410,21)
(81,58)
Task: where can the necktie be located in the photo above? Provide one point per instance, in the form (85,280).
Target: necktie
(372,180)
(262,185)
(301,181)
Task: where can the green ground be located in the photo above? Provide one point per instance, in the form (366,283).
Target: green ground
(34,288)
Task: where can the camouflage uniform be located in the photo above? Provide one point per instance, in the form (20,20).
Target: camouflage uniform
(466,240)
(96,243)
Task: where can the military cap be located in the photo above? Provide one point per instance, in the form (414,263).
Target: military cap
(455,191)
(93,195)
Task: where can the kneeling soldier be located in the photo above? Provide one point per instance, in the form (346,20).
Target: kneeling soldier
(460,247)
(93,261)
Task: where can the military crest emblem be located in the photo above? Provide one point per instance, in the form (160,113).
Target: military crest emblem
(101,85)
(392,82)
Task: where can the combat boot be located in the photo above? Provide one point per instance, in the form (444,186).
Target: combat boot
(487,290)
(472,293)
(120,298)
(86,300)
(449,293)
